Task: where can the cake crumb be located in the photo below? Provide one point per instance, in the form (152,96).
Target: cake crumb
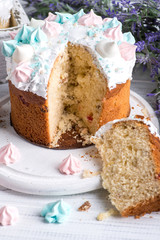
(88,174)
(104,215)
(145,112)
(85,206)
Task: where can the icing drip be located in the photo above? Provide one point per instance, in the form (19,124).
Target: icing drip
(9,154)
(70,165)
(8,215)
(56,212)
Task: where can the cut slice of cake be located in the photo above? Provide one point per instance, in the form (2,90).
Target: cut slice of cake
(130,151)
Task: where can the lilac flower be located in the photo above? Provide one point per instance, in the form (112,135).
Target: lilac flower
(140,46)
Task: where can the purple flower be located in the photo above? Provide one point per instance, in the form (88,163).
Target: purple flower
(140,46)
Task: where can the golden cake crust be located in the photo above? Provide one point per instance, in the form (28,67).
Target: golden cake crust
(29,114)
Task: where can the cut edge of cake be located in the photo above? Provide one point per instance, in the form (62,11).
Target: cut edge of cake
(130,151)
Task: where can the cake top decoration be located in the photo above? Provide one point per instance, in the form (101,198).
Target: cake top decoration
(90,19)
(87,30)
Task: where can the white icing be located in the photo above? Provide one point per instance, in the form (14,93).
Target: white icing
(116,71)
(101,131)
(5,8)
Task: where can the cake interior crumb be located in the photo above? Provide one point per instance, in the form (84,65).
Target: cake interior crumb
(77,88)
(104,215)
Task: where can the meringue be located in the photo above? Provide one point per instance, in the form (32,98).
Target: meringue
(9,154)
(52,29)
(36,23)
(108,49)
(127,51)
(8,215)
(56,212)
(90,19)
(114,33)
(22,72)
(70,165)
(23,53)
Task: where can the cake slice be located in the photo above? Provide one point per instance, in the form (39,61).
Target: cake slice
(130,151)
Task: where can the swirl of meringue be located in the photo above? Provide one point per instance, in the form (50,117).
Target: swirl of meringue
(51,17)
(52,29)
(23,34)
(13,34)
(111,23)
(64,17)
(8,215)
(23,53)
(108,49)
(56,212)
(70,165)
(37,36)
(36,23)
(127,51)
(90,19)
(9,154)
(114,33)
(22,72)
(9,47)
(128,37)
(78,15)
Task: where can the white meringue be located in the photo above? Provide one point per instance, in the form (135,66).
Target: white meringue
(108,49)
(36,23)
(23,53)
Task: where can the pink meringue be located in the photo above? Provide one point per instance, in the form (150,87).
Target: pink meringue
(22,72)
(107,20)
(9,154)
(127,51)
(8,215)
(13,34)
(51,17)
(52,29)
(90,19)
(114,33)
(70,165)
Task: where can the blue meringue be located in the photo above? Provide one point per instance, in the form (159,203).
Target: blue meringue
(111,24)
(128,37)
(37,36)
(9,47)
(64,17)
(23,35)
(56,212)
(78,15)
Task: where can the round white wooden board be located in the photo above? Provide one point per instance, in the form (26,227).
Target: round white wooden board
(37,171)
